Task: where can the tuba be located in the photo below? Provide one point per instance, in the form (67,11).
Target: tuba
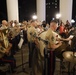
(4,43)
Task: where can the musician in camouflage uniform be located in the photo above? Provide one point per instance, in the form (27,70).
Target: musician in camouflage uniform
(51,35)
(5,49)
(52,44)
(31,31)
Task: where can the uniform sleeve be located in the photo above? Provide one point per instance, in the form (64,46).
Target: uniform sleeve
(31,30)
(50,37)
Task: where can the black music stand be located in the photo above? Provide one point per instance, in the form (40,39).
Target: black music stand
(23,69)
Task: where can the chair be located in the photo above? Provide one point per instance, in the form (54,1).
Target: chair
(5,68)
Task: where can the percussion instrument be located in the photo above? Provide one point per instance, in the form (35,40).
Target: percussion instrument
(58,51)
(70,56)
(63,48)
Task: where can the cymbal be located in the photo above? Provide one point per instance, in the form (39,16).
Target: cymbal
(70,56)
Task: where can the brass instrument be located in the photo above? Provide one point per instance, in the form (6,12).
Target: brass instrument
(14,31)
(4,43)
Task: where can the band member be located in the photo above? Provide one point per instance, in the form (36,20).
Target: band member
(5,50)
(50,36)
(31,31)
(39,28)
(4,24)
(53,44)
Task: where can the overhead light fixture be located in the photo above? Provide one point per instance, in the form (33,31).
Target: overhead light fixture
(34,17)
(72,21)
(58,16)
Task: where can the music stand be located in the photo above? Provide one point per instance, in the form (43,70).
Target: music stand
(23,69)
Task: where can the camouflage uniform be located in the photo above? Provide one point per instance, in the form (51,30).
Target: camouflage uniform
(31,32)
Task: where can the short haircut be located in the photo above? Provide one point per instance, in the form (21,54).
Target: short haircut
(33,21)
(54,21)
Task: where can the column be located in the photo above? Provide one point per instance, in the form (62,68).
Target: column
(12,10)
(41,9)
(66,10)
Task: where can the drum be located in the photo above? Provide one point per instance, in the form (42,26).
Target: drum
(60,50)
(70,56)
